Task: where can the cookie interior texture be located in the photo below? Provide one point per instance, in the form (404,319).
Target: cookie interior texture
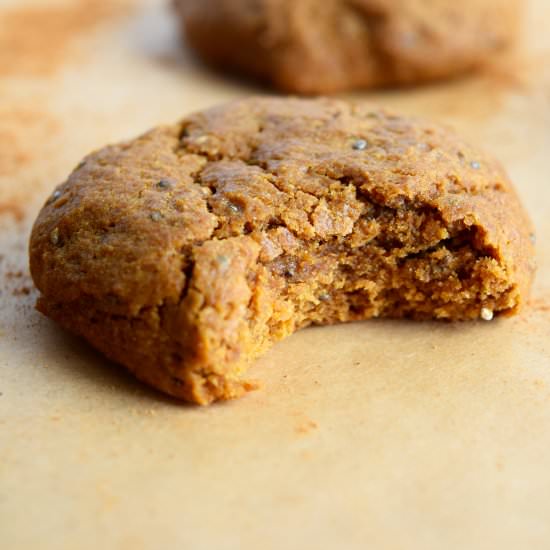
(313,46)
(187,252)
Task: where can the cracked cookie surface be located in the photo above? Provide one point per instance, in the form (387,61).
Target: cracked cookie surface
(189,251)
(311,47)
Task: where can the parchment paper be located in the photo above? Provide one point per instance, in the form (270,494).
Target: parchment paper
(383,435)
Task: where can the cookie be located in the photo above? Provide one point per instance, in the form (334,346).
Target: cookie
(311,47)
(189,251)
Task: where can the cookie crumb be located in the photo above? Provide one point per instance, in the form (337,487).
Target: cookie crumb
(305,427)
(487,314)
(23,291)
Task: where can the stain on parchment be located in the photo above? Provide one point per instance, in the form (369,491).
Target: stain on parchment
(306,427)
(303,424)
(540,305)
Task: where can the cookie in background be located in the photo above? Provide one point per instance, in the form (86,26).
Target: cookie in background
(314,47)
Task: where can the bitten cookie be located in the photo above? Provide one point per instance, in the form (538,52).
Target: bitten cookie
(189,251)
(313,46)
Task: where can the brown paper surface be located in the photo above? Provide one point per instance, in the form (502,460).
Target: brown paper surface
(386,435)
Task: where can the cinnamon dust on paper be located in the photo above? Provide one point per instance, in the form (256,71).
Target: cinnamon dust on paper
(22,132)
(21,279)
(37,38)
(12,208)
(25,133)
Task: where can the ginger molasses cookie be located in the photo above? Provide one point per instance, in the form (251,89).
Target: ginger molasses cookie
(313,46)
(189,251)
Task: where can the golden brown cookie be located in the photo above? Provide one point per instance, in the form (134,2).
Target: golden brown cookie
(187,252)
(313,46)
